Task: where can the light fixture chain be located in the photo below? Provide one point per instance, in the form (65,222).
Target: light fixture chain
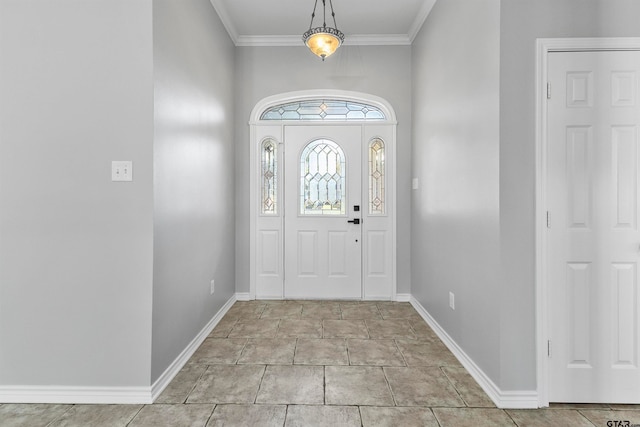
(324,14)
(333,14)
(313,14)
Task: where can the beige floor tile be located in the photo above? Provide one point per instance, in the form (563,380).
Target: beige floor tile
(295,385)
(548,417)
(261,328)
(322,416)
(374,353)
(356,385)
(423,331)
(392,329)
(179,388)
(380,416)
(282,311)
(601,417)
(172,415)
(245,310)
(268,351)
(397,310)
(308,302)
(467,387)
(623,407)
(426,353)
(30,415)
(223,327)
(580,406)
(97,416)
(300,328)
(228,384)
(361,311)
(344,329)
(327,351)
(422,387)
(472,417)
(321,311)
(218,350)
(248,415)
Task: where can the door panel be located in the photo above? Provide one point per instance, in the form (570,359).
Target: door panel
(593,238)
(322,186)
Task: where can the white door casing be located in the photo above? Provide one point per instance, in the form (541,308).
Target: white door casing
(267,231)
(587,221)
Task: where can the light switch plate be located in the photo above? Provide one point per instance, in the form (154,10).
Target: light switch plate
(415,184)
(121,170)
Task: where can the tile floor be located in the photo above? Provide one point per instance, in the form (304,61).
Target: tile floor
(320,363)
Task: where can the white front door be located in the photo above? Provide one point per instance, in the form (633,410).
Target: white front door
(323,205)
(593,247)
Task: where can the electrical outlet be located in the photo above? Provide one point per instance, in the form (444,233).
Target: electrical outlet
(452,301)
(213,286)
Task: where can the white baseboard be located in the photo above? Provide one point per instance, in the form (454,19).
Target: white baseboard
(403,297)
(243,296)
(518,399)
(71,395)
(111,395)
(163,381)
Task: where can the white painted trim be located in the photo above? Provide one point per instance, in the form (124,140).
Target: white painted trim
(516,399)
(403,298)
(543,48)
(421,17)
(255,122)
(111,395)
(218,5)
(75,395)
(163,381)
(244,296)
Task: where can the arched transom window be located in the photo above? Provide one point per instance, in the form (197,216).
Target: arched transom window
(324,109)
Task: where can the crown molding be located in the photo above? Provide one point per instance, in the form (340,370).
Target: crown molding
(226,21)
(350,40)
(421,17)
(296,40)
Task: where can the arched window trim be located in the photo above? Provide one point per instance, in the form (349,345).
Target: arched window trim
(321,94)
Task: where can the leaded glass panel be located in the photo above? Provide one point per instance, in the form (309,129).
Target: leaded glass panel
(376,177)
(322,179)
(319,109)
(269,177)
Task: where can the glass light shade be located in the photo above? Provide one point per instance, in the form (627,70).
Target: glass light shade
(322,43)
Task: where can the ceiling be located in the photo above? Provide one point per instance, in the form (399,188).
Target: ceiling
(282,22)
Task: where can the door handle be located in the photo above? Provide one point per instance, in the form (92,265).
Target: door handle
(355,221)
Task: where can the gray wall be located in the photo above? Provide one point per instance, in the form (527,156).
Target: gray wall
(384,71)
(474,152)
(522,21)
(194,189)
(76,92)
(455,212)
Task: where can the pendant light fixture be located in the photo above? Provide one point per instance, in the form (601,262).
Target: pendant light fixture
(323,41)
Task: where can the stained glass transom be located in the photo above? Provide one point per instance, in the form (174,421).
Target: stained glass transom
(322,179)
(319,109)
(269,177)
(376,177)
